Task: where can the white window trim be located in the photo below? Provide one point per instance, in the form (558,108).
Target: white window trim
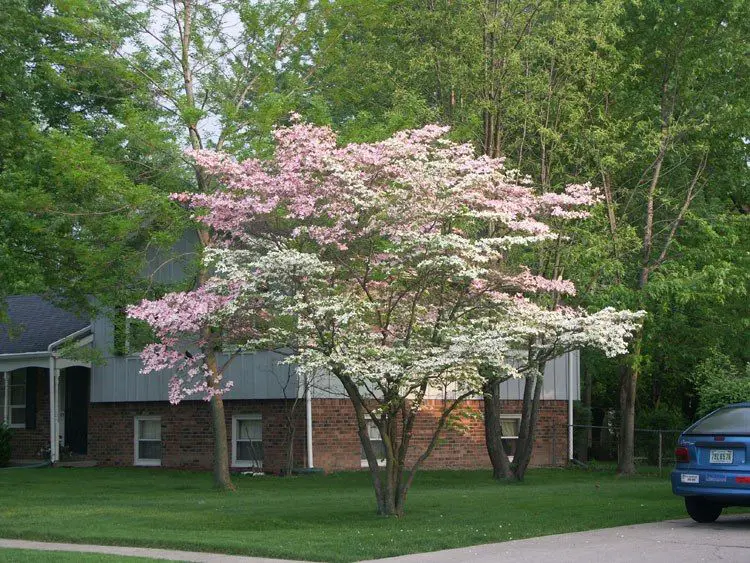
(11,406)
(235,431)
(511,417)
(363,462)
(138,461)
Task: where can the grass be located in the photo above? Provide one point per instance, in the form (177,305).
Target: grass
(31,556)
(318,518)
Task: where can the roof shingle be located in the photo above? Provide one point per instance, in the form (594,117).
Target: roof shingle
(35,324)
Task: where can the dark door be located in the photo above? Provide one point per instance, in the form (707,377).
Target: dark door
(77,408)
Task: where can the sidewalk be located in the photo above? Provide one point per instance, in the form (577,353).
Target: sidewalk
(727,540)
(166,554)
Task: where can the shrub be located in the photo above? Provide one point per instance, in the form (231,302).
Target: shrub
(719,382)
(5,434)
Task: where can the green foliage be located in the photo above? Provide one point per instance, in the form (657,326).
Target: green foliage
(5,446)
(85,354)
(719,382)
(659,418)
(84,165)
(130,335)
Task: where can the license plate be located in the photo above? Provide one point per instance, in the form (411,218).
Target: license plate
(689,478)
(721,456)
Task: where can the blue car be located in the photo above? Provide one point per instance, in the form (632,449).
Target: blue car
(713,463)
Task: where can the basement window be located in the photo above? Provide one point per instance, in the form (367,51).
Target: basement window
(247,441)
(377,444)
(510,425)
(148,440)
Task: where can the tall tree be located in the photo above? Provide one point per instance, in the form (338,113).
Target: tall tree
(676,115)
(223,72)
(84,171)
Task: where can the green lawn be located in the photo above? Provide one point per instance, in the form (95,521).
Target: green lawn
(324,518)
(30,556)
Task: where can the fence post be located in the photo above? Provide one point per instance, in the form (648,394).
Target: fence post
(659,453)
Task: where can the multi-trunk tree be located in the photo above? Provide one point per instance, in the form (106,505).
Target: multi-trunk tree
(384,265)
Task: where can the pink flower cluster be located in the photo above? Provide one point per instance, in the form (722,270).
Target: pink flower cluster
(371,257)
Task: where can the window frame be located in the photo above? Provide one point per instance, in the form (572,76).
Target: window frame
(516,417)
(145,462)
(17,406)
(363,460)
(245,463)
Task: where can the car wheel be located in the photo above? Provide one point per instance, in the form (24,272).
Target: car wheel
(702,510)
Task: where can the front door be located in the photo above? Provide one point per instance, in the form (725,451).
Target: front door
(77,409)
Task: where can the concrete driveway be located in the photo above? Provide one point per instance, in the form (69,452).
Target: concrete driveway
(683,541)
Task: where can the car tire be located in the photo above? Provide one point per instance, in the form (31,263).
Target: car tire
(702,510)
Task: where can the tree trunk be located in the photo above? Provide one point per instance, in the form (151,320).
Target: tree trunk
(493,433)
(626,443)
(527,433)
(222,480)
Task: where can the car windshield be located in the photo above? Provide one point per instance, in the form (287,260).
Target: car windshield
(731,420)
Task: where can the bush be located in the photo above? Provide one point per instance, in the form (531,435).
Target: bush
(719,382)
(5,434)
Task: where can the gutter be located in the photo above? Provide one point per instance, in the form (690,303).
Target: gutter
(23,355)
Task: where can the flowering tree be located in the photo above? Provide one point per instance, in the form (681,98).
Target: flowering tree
(383,264)
(545,334)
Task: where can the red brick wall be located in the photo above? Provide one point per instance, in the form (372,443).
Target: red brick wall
(28,444)
(187,440)
(336,443)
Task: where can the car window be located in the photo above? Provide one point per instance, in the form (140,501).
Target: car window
(732,420)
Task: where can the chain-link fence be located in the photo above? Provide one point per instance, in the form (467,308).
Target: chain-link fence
(654,448)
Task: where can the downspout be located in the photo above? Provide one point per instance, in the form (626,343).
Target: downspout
(6,398)
(54,407)
(308,421)
(570,405)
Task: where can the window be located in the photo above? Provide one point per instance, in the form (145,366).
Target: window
(17,399)
(510,425)
(147,440)
(377,444)
(247,441)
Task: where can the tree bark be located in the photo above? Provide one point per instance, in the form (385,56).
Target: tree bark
(222,479)
(527,432)
(626,443)
(493,433)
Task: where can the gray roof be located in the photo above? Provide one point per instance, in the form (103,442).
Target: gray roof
(35,324)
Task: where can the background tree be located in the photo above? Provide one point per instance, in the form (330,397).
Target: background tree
(222,72)
(646,99)
(84,170)
(676,117)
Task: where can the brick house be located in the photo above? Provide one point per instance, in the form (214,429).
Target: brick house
(107,412)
